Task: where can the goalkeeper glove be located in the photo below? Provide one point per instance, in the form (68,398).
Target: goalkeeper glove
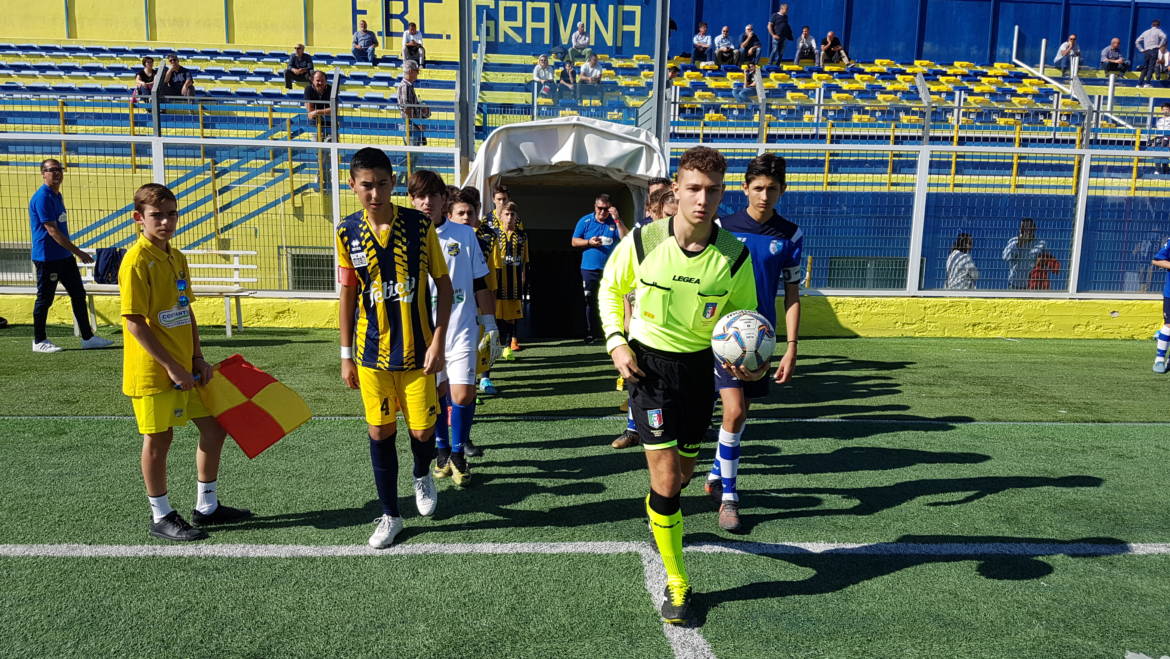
(491,338)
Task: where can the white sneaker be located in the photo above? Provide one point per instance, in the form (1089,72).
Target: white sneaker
(425,495)
(46,346)
(388,528)
(96,342)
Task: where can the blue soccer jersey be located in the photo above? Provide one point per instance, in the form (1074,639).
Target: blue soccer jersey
(1164,255)
(775,247)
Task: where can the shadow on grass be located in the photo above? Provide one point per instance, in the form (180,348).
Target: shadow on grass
(837,569)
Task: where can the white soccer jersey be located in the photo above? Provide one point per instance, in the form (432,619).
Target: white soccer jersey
(465,263)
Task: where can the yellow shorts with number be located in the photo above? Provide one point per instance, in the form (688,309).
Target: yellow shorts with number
(169,409)
(384,393)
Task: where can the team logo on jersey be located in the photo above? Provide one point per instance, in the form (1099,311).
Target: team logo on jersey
(359,259)
(709,310)
(178,412)
(774,246)
(654,418)
(453,248)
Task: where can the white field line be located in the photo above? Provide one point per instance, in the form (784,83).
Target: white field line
(686,642)
(488,417)
(972,549)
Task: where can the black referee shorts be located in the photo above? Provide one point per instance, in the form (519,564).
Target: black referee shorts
(673,402)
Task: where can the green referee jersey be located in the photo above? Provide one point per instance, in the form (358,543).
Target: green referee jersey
(678,297)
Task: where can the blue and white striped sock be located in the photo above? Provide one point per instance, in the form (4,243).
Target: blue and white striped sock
(442,435)
(630,420)
(728,460)
(1162,340)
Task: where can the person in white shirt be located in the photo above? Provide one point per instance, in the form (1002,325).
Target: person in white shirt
(725,47)
(544,77)
(1021,253)
(961,271)
(1163,65)
(1148,43)
(1068,52)
(806,46)
(469,277)
(701,45)
(1164,120)
(1162,141)
(412,45)
(579,45)
(589,80)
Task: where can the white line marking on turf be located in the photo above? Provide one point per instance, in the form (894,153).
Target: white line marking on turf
(973,549)
(686,642)
(513,418)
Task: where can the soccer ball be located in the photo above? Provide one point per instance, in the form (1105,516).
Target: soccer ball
(744,338)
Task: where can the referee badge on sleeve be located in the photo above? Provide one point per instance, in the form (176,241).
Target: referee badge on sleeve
(654,418)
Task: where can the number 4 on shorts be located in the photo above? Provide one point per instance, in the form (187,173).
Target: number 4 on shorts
(386,406)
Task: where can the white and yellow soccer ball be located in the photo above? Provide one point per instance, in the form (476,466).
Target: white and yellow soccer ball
(744,338)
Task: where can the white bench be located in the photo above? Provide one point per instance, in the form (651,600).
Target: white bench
(227,280)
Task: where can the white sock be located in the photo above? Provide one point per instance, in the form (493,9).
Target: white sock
(160,507)
(206,501)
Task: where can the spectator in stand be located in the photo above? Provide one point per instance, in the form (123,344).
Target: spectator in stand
(1163,122)
(412,46)
(1066,54)
(1046,266)
(567,82)
(589,82)
(579,49)
(1112,61)
(411,107)
(781,32)
(961,271)
(1162,67)
(673,72)
(701,45)
(544,78)
(144,77)
(725,52)
(749,46)
(1162,141)
(832,52)
(806,47)
(1148,43)
(1021,254)
(747,93)
(365,44)
(300,67)
(177,81)
(317,101)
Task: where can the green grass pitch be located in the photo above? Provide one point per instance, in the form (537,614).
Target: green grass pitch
(886,445)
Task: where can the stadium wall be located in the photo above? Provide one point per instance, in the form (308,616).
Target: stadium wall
(823,316)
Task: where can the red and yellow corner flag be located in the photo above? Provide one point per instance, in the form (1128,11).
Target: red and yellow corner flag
(251,405)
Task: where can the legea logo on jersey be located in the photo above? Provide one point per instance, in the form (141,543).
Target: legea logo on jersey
(394,291)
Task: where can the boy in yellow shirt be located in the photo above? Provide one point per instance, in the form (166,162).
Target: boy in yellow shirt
(162,362)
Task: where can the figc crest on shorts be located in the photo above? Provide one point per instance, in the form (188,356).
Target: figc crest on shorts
(654,418)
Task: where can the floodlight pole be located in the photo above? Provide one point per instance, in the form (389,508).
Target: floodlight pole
(661,46)
(465,125)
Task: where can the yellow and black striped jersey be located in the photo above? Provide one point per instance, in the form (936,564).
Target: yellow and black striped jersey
(509,260)
(492,222)
(393,318)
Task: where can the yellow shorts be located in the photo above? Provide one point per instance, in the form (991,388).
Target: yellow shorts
(384,393)
(169,409)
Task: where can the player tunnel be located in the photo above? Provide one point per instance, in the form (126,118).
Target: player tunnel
(554,169)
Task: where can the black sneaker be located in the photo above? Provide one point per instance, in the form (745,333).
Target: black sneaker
(221,515)
(676,605)
(174,527)
(471,450)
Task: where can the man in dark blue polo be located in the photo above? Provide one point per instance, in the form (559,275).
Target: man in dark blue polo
(52,254)
(597,233)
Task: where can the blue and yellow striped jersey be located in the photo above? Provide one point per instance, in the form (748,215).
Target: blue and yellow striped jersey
(393,321)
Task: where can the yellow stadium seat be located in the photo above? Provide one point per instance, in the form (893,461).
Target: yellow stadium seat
(904,77)
(923,62)
(835,68)
(615,115)
(984,89)
(964,65)
(809,117)
(806,84)
(647,75)
(643,58)
(1025,89)
(680,82)
(720,84)
(898,87)
(1062,124)
(704,96)
(768,84)
(1023,102)
(1007,121)
(915,69)
(990,80)
(874,68)
(853,86)
(780,77)
(956,71)
(864,119)
(798,97)
(1033,82)
(911,119)
(610,73)
(1070,103)
(885,62)
(1004,66)
(841,97)
(735,76)
(996,73)
(888,98)
(950,80)
(569,113)
(714,116)
(693,75)
(792,67)
(939,87)
(822,77)
(864,77)
(709,66)
(631,82)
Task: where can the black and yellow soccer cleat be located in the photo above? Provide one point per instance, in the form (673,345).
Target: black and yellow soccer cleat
(676,606)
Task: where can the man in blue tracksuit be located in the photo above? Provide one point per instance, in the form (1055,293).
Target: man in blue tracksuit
(597,233)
